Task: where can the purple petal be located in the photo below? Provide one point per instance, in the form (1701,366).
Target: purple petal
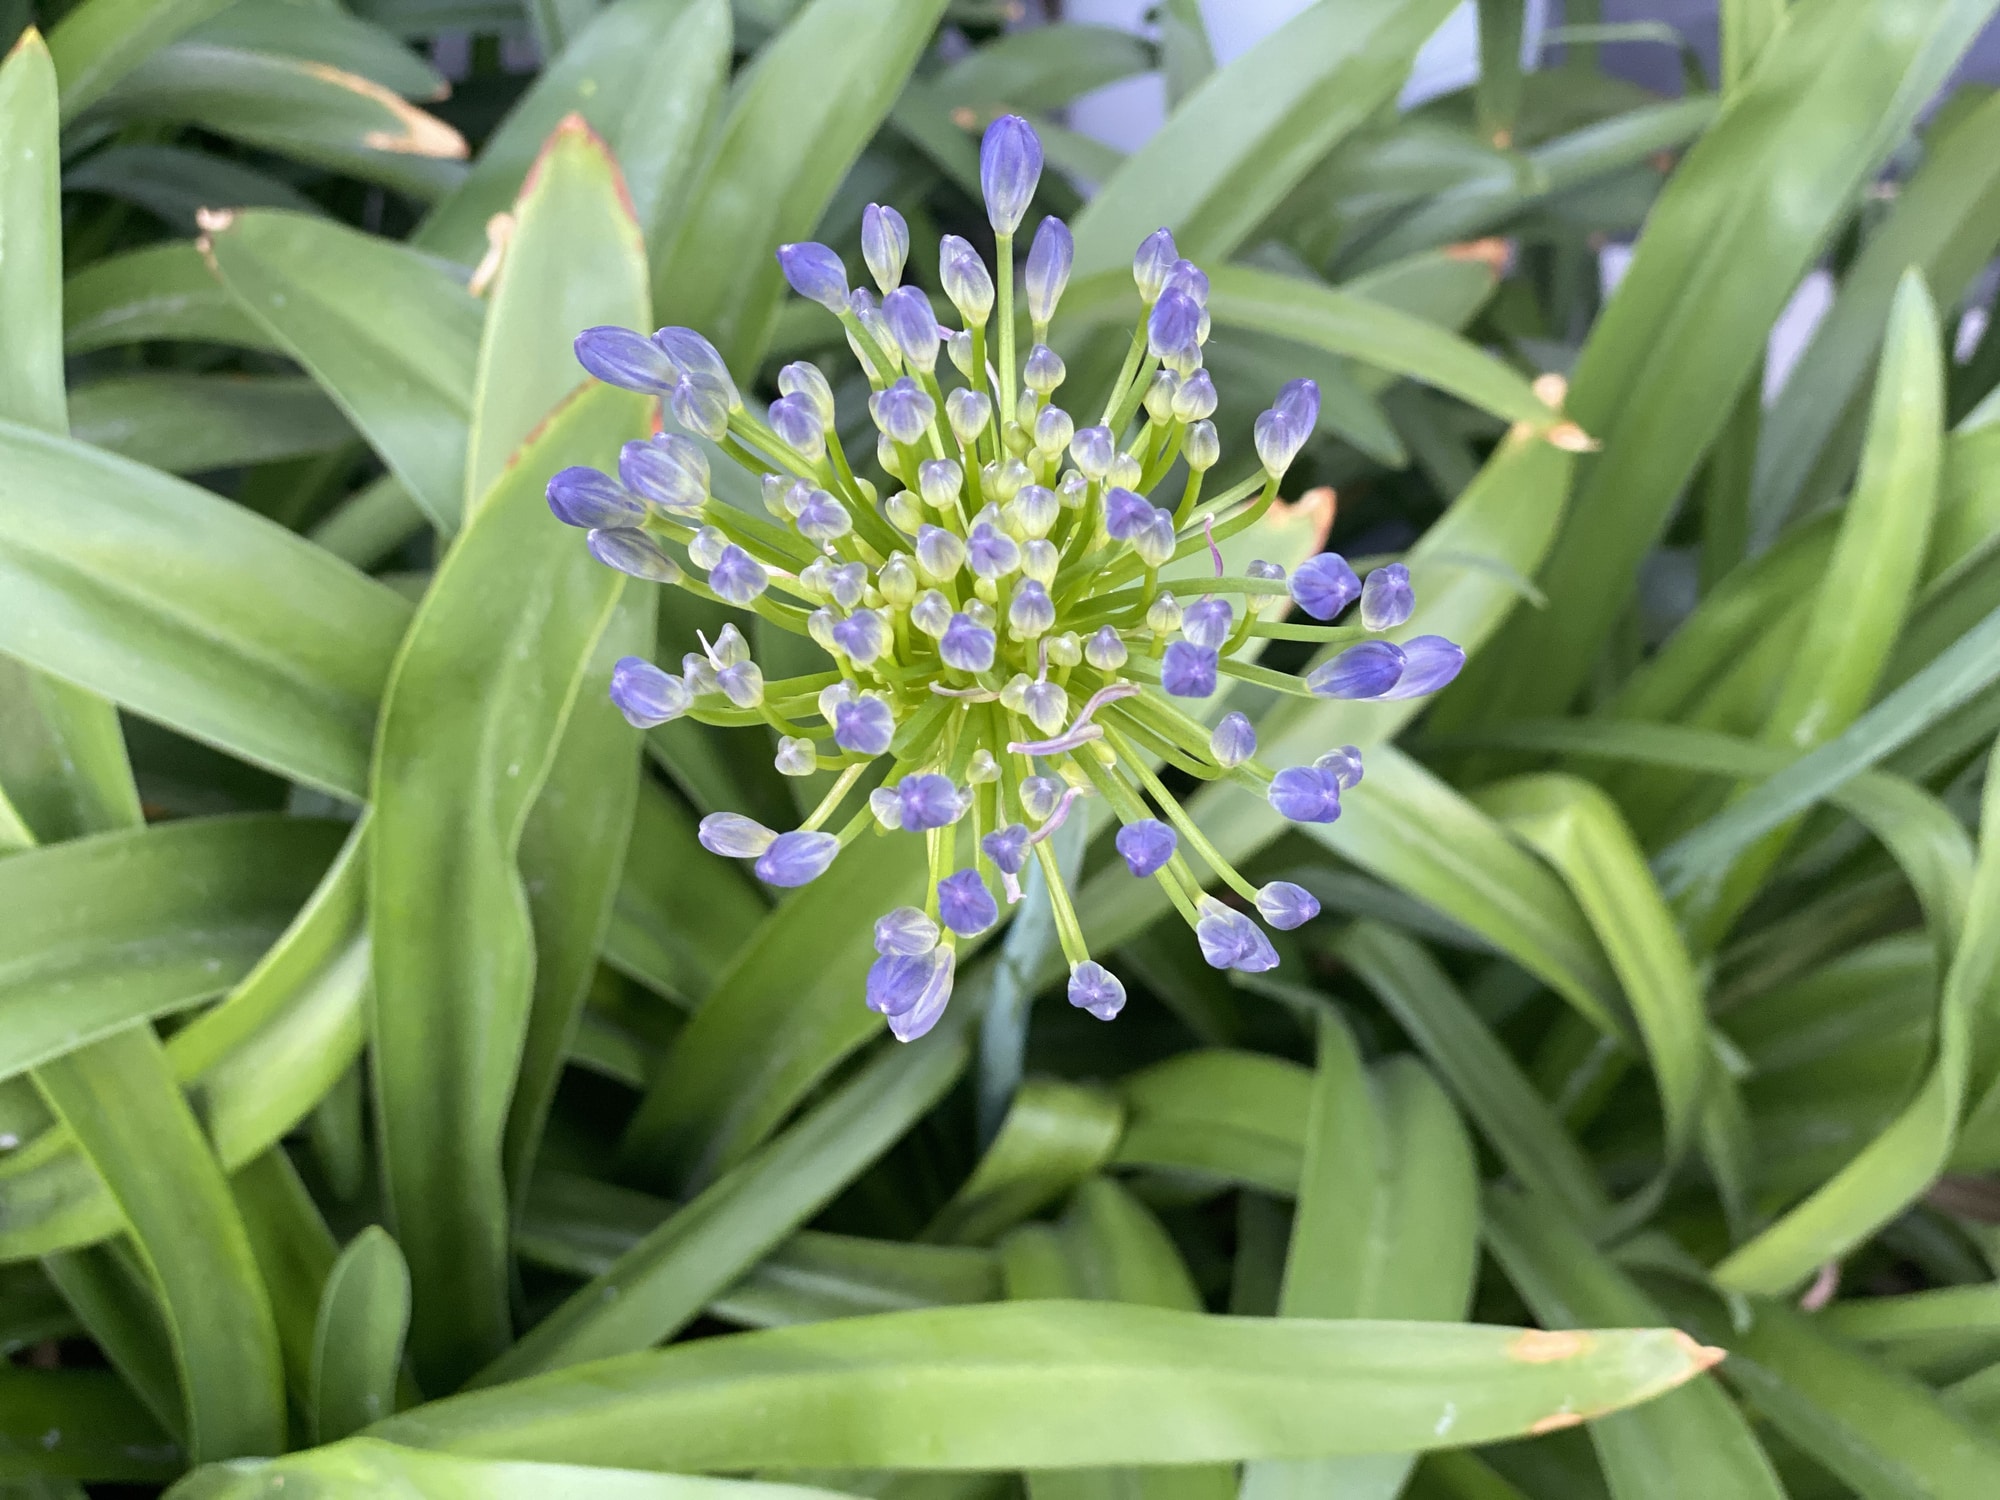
(796,858)
(1431,661)
(1368,670)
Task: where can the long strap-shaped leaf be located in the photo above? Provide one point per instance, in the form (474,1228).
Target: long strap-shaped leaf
(1054,1385)
(476,705)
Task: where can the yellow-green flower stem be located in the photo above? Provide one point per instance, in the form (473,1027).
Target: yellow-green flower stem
(1003,282)
(835,795)
(1133,355)
(1069,931)
(882,364)
(1157,470)
(1184,512)
(1177,815)
(1128,404)
(1175,876)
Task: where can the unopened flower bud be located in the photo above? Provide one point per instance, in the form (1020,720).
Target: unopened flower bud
(1159,397)
(1043,370)
(885,244)
(705,547)
(905,512)
(1065,649)
(816,273)
(1092,450)
(796,756)
(1125,472)
(1032,613)
(1010,164)
(940,553)
(958,344)
(1163,615)
(940,480)
(1202,449)
(622,357)
(931,613)
(1194,401)
(903,411)
(1049,262)
(968,411)
(1151,262)
(897,581)
(797,424)
(1053,430)
(908,313)
(805,379)
(1035,510)
(965,278)
(1105,650)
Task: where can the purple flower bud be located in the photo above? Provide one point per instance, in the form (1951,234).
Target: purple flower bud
(696,358)
(669,470)
(1187,278)
(1046,705)
(1365,671)
(896,981)
(1323,586)
(1049,262)
(1040,796)
(1195,401)
(1032,612)
(796,858)
(1305,794)
(646,695)
(583,497)
(734,836)
(796,756)
(1230,940)
(929,801)
(903,411)
(804,379)
(1386,598)
(1172,324)
(1188,670)
(923,1012)
(1093,449)
(885,244)
(965,905)
(1207,622)
(618,356)
(990,552)
(1151,262)
(967,646)
(1286,906)
(1010,164)
(1429,662)
(816,273)
(1146,845)
(1094,988)
(908,313)
(1343,765)
(1278,438)
(796,420)
(737,576)
(930,612)
(1105,650)
(742,683)
(703,407)
(940,553)
(1125,513)
(965,279)
(968,411)
(1299,400)
(634,552)
(864,726)
(1008,848)
(906,931)
(1233,740)
(846,583)
(823,518)
(864,636)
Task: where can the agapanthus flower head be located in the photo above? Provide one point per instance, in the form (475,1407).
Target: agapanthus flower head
(988,595)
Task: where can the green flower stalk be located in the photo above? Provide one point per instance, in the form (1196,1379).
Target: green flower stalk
(991,604)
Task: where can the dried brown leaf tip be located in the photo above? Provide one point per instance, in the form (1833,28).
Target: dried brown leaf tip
(1494,252)
(416,132)
(1542,1346)
(1555,1421)
(1704,1356)
(1551,390)
(499,232)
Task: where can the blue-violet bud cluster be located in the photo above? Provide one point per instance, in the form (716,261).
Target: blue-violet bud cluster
(987,591)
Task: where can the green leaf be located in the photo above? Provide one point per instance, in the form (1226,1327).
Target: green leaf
(295,1251)
(646,75)
(370,524)
(178,186)
(1387,1227)
(1945,224)
(1488,1084)
(1042,67)
(160,292)
(1692,1441)
(657,1287)
(1229,155)
(1870,584)
(62,758)
(1881,1432)
(252,1066)
(1048,1385)
(673,935)
(191,610)
(119,1098)
(294,107)
(1217,1114)
(1734,230)
(364,1469)
(568,265)
(391,337)
(777,1022)
(1054,1136)
(358,1342)
(1577,829)
(323,34)
(574,850)
(100,41)
(476,704)
(189,424)
(775,160)
(107,1288)
(581,1227)
(1947,1326)
(103,1431)
(114,929)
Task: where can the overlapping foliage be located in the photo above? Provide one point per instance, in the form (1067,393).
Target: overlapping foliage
(389,1081)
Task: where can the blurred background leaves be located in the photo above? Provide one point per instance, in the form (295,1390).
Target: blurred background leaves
(387,1068)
